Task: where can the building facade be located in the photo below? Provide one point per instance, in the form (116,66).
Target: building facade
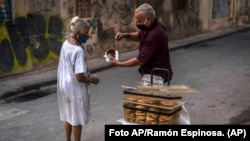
(32,31)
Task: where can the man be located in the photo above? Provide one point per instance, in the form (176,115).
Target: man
(153,48)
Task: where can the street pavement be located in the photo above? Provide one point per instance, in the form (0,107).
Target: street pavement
(19,84)
(38,119)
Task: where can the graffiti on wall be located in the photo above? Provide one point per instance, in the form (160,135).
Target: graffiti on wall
(34,37)
(220,8)
(125,11)
(118,16)
(114,16)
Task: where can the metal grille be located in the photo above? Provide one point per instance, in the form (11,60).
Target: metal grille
(5,11)
(180,5)
(243,7)
(153,3)
(83,8)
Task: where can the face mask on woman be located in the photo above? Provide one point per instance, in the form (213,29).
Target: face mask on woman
(82,38)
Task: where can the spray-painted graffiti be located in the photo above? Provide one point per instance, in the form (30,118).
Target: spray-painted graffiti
(32,35)
(125,11)
(109,17)
(7,57)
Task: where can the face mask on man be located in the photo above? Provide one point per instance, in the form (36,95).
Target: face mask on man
(82,38)
(142,27)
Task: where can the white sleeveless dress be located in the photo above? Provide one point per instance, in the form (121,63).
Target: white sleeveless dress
(73,96)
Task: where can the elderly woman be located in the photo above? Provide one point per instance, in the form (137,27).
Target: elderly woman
(73,80)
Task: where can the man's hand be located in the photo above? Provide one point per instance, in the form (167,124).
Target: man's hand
(119,36)
(113,61)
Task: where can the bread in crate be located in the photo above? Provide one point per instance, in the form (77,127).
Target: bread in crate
(152,109)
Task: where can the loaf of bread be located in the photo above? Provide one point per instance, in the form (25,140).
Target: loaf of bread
(129,100)
(150,120)
(129,114)
(165,119)
(151,110)
(153,101)
(168,103)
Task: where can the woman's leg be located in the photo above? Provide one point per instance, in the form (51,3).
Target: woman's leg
(68,130)
(77,131)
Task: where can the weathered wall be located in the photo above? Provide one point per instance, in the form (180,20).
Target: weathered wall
(33,41)
(112,16)
(205,15)
(227,13)
(243,11)
(181,24)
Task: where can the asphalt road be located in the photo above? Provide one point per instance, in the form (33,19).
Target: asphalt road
(218,69)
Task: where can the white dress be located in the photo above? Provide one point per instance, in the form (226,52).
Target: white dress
(73,96)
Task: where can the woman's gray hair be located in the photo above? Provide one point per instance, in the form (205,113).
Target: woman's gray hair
(76,25)
(146,10)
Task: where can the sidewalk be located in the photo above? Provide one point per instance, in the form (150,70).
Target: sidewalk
(23,83)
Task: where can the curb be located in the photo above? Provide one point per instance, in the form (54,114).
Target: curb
(27,88)
(173,46)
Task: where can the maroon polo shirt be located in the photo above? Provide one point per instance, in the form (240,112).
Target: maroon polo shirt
(154,51)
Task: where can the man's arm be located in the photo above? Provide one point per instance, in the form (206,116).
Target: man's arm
(129,63)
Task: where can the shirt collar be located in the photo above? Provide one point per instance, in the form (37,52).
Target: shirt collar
(153,25)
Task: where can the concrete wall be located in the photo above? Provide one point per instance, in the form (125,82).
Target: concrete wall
(224,14)
(33,41)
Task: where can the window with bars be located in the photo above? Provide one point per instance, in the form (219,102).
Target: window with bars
(243,7)
(156,4)
(153,3)
(83,8)
(221,8)
(5,11)
(180,5)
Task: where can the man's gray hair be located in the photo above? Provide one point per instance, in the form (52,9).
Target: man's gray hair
(146,10)
(76,25)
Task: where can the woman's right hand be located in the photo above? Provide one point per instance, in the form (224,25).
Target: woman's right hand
(94,79)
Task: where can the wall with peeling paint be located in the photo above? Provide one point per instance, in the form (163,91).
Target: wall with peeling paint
(32,40)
